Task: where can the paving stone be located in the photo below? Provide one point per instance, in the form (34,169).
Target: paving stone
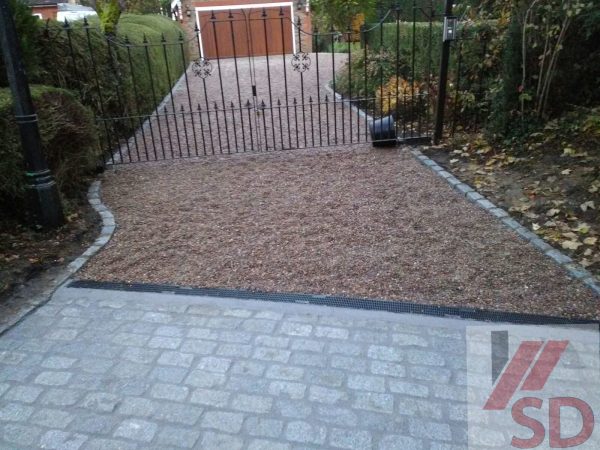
(426,358)
(23,394)
(259,325)
(294,409)
(374,402)
(252,403)
(308,359)
(137,406)
(293,390)
(387,368)
(58,362)
(165,342)
(57,439)
(94,424)
(299,431)
(229,422)
(385,353)
(345,348)
(271,354)
(169,392)
(214,364)
(407,388)
(165,374)
(217,441)
(235,350)
(22,435)
(339,416)
(109,444)
(409,340)
(210,397)
(295,329)
(169,330)
(326,377)
(350,439)
(326,395)
(272,341)
(395,442)
(178,413)
(308,345)
(137,430)
(60,397)
(349,363)
(263,426)
(140,355)
(370,337)
(430,430)
(178,437)
(15,412)
(331,332)
(50,418)
(410,406)
(367,383)
(247,384)
(262,444)
(175,358)
(281,372)
(253,368)
(58,378)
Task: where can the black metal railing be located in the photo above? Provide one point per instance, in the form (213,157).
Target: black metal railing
(175,97)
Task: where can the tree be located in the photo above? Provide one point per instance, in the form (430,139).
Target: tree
(338,14)
(144,6)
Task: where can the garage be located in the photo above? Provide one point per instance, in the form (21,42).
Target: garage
(245,28)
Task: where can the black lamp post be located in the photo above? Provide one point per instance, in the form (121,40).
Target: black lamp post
(42,191)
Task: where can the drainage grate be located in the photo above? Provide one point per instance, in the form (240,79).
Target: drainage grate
(337,302)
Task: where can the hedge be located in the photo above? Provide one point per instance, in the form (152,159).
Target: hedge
(116,73)
(69,142)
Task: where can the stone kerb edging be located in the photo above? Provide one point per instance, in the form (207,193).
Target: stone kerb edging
(575,270)
(108,228)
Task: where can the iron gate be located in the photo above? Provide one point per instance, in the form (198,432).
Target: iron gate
(291,97)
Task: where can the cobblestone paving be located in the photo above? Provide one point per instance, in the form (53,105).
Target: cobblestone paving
(104,370)
(114,370)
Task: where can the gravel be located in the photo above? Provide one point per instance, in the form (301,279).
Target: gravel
(345,220)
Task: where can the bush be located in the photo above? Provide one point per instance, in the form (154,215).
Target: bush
(69,142)
(27,29)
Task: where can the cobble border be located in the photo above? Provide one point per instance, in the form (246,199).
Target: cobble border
(108,228)
(575,270)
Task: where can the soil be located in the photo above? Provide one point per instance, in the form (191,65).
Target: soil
(26,253)
(347,221)
(553,189)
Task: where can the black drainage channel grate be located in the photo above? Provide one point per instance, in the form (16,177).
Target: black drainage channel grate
(337,302)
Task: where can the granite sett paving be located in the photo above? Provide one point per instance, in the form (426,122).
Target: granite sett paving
(99,369)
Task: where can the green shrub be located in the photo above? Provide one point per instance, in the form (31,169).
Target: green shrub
(69,142)
(27,30)
(110,77)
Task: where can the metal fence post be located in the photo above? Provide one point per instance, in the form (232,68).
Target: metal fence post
(42,192)
(443,81)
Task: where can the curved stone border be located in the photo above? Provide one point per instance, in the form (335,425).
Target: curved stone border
(108,228)
(574,269)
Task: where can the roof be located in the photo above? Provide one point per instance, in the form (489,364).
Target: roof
(74,8)
(33,3)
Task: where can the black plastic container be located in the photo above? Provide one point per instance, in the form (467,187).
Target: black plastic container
(383,132)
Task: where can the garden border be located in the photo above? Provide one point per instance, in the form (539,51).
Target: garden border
(575,270)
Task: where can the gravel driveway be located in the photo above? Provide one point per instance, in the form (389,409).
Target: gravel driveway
(357,221)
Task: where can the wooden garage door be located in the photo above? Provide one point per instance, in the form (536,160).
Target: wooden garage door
(246,33)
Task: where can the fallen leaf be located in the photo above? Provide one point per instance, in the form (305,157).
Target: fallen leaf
(566,172)
(590,240)
(571,245)
(552,212)
(587,205)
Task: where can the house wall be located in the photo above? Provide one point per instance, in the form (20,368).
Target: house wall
(46,12)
